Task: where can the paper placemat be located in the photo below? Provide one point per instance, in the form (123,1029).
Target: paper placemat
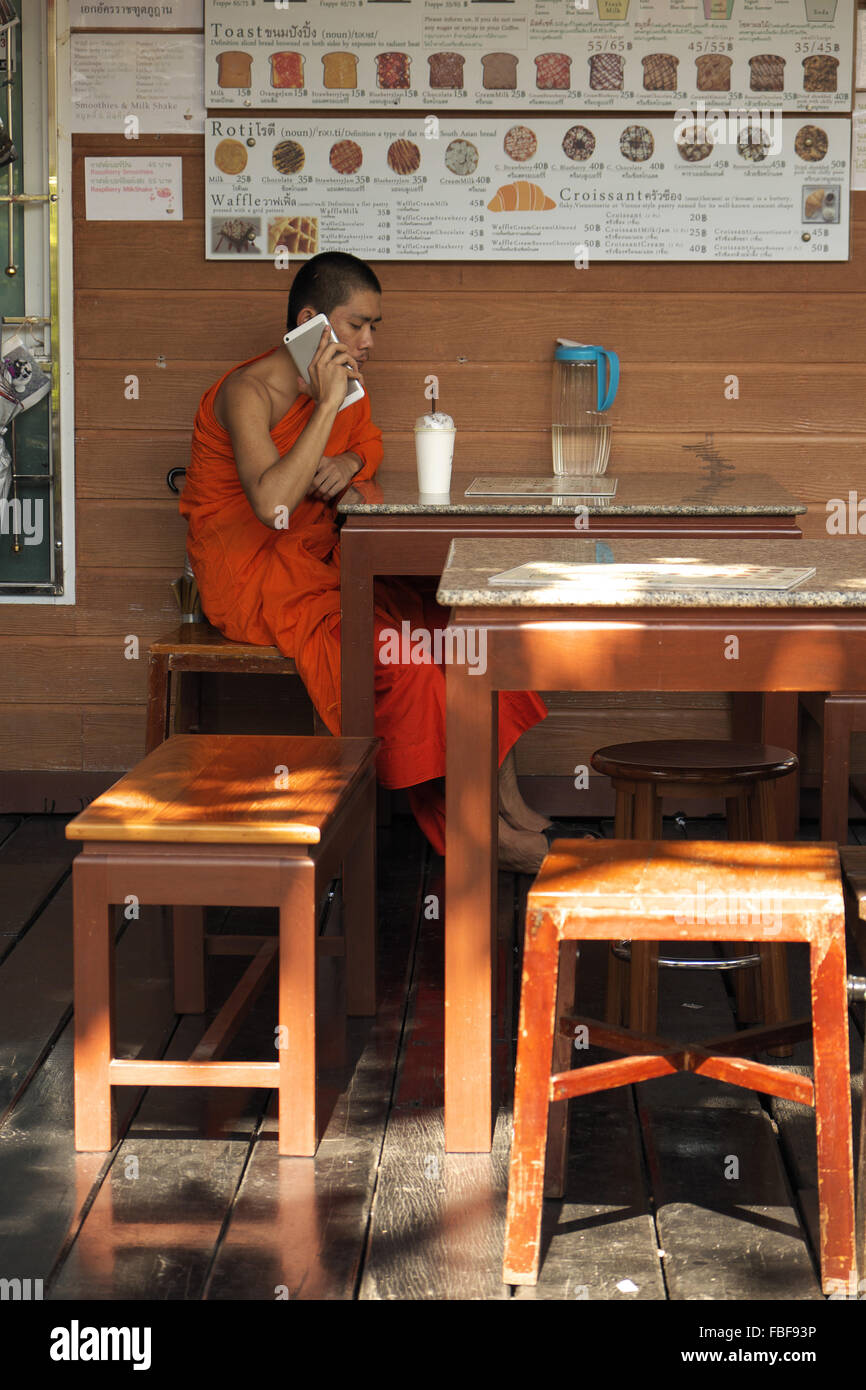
(673,575)
(563,485)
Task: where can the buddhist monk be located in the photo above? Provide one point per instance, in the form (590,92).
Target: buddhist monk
(271,455)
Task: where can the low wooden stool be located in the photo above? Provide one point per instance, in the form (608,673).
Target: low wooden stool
(742,773)
(189,651)
(225,820)
(593,890)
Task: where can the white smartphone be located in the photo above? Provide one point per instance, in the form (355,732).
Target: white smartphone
(303,344)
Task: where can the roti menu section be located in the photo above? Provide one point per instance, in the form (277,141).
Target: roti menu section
(598,54)
(548,188)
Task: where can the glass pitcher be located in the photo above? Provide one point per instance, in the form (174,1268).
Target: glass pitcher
(585,381)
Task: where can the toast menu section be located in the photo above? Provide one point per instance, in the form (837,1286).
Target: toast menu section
(604,54)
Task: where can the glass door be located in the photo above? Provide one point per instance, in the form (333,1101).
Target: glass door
(31,541)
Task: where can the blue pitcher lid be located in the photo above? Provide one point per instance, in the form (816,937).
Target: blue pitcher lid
(569,351)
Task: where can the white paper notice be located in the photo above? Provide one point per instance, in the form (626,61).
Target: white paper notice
(156,79)
(861,48)
(134,189)
(858,143)
(135,14)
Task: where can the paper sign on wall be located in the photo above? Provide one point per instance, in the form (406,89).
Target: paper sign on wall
(135,14)
(155,78)
(134,189)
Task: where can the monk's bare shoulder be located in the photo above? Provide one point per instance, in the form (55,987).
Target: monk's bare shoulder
(262,391)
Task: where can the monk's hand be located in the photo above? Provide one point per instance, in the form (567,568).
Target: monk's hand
(332,476)
(331,366)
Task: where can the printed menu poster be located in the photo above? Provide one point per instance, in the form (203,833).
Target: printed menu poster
(598,54)
(556,189)
(156,78)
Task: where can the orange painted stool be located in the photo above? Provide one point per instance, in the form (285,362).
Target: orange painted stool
(592,890)
(743,775)
(234,821)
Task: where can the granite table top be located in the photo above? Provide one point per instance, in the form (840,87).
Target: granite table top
(638,494)
(839,580)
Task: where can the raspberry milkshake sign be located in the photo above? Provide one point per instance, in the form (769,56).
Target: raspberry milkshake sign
(540,54)
(700,184)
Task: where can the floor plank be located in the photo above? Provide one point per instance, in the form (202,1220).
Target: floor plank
(46,1185)
(724,1211)
(34,859)
(298,1226)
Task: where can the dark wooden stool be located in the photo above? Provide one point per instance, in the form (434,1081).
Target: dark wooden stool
(741,773)
(190,650)
(595,890)
(226,821)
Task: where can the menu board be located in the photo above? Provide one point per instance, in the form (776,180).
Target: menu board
(154,77)
(599,54)
(556,189)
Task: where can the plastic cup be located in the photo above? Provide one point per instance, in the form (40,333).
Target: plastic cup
(434,451)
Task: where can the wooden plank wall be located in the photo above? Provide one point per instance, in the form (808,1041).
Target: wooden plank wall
(148,304)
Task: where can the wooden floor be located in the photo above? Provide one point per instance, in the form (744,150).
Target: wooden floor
(679,1189)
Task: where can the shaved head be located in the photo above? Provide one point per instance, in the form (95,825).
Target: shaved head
(327,281)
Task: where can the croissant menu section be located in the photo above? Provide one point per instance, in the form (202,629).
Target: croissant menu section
(604,54)
(556,189)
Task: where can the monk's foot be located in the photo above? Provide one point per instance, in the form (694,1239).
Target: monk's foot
(520,851)
(512,807)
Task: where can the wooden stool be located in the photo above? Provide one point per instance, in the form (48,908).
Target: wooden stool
(742,773)
(596,889)
(226,821)
(190,650)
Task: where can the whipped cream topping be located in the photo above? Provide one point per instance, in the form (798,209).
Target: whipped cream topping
(439,421)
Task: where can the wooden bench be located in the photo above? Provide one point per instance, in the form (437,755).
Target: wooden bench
(598,890)
(192,649)
(225,820)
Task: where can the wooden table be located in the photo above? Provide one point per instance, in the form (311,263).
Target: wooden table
(812,637)
(389,530)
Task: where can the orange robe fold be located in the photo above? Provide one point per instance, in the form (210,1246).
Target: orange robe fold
(282,588)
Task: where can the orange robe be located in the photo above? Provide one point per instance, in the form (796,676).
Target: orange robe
(282,588)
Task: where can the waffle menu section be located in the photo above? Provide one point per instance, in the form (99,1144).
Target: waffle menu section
(558,189)
(596,54)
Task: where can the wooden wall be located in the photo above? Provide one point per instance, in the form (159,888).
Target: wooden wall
(147,303)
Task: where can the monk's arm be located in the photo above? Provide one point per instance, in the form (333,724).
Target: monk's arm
(269,479)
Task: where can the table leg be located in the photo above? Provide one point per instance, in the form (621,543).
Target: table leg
(470,907)
(297,1010)
(833,1114)
(93,932)
(359,909)
(356,638)
(780,726)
